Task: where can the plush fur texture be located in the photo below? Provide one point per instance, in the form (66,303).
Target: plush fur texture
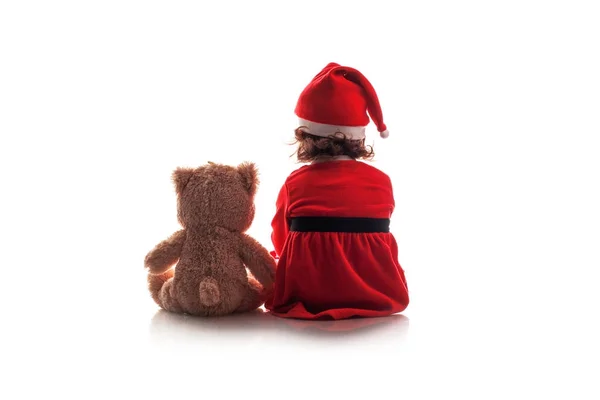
(201,269)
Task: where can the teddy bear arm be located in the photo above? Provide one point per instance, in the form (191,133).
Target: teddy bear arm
(165,254)
(258,260)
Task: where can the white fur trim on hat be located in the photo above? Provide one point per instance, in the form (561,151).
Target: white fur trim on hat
(384,134)
(325,130)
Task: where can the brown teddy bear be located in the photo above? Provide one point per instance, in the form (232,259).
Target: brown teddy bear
(215,206)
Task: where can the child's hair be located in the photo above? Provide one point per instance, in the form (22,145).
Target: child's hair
(310,147)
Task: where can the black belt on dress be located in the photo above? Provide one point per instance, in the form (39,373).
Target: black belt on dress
(340,224)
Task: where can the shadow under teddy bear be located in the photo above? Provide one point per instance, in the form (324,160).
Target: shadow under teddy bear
(166,327)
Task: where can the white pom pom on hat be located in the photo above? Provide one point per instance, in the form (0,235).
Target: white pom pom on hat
(339,99)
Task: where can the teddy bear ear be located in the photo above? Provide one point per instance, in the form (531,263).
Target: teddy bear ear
(249,174)
(181,177)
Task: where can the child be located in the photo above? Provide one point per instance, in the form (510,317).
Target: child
(337,258)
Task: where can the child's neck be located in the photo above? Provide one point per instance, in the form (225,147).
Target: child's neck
(322,159)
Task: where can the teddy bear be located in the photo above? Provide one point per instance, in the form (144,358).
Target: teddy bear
(211,267)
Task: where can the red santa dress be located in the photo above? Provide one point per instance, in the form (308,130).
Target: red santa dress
(337,258)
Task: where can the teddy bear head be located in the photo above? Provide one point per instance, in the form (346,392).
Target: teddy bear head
(216,195)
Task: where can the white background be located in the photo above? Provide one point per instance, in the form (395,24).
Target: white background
(494,115)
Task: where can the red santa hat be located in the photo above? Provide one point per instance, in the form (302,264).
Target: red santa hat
(337,100)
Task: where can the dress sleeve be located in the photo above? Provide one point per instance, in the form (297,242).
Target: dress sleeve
(392,198)
(280,221)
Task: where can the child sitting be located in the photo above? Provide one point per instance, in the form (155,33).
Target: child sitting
(336,256)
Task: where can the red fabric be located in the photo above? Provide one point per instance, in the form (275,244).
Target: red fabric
(324,275)
(340,95)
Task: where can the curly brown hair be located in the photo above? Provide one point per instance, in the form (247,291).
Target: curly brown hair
(310,147)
